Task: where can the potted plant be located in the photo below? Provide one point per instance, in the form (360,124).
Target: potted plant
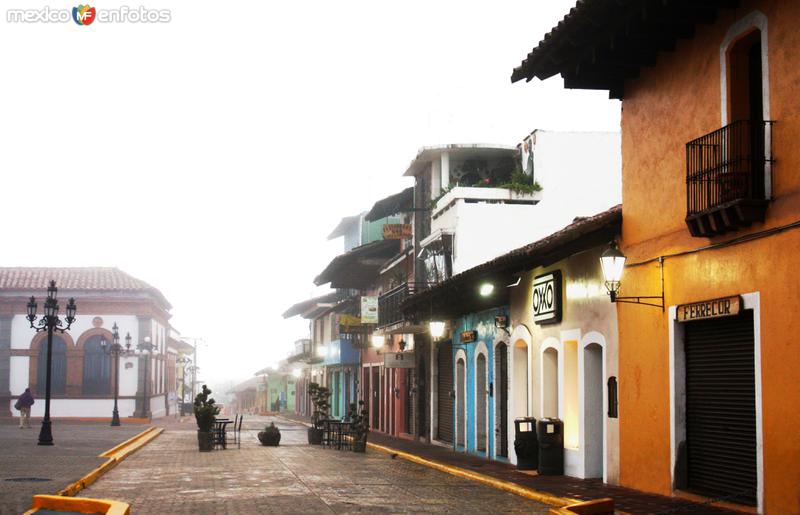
(270,436)
(205,413)
(359,425)
(319,398)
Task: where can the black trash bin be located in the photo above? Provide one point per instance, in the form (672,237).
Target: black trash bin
(551,446)
(526,444)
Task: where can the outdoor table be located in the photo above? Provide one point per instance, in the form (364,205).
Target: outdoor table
(220,431)
(337,429)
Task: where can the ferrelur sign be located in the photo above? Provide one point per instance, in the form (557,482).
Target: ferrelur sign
(724,307)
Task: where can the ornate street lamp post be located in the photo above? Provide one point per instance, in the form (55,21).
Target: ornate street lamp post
(146,346)
(184,362)
(49,322)
(115,349)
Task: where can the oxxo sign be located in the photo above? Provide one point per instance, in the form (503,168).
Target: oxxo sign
(546,298)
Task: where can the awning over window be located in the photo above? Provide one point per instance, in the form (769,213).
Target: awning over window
(359,267)
(312,308)
(391,205)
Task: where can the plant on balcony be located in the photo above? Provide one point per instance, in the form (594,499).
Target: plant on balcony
(319,398)
(270,436)
(359,425)
(518,183)
(205,412)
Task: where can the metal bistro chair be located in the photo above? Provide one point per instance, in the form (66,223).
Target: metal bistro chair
(327,433)
(221,432)
(237,431)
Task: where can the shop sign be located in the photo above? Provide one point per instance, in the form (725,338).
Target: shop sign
(546,298)
(396,231)
(399,359)
(369,309)
(469,336)
(716,308)
(347,323)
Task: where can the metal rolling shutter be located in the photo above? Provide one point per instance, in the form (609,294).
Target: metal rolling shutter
(445,383)
(720,408)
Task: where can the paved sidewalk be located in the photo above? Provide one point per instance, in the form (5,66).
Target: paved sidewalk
(625,499)
(170,476)
(27,469)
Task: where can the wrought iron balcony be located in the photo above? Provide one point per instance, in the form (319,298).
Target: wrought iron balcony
(389,312)
(726,174)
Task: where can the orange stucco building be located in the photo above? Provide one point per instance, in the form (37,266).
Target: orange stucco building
(709,400)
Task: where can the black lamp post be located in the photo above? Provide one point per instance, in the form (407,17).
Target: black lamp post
(115,349)
(49,322)
(146,346)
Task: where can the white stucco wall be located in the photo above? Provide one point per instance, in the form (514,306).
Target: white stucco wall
(22,334)
(81,407)
(580,173)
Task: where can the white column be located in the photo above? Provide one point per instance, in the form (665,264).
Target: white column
(445,171)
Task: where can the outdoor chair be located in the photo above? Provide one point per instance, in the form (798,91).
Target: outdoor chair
(237,428)
(221,432)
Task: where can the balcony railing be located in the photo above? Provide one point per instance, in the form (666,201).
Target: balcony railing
(725,177)
(389,303)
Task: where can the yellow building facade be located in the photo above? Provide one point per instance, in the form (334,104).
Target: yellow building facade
(708,394)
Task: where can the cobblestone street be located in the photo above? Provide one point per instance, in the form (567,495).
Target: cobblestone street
(169,475)
(29,469)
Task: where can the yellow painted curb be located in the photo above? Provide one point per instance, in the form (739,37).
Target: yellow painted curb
(115,455)
(83,505)
(507,486)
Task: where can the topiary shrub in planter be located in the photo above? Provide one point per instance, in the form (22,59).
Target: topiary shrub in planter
(205,413)
(270,436)
(319,398)
(359,425)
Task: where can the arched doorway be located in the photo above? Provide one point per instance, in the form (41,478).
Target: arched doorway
(58,371)
(501,398)
(481,404)
(550,382)
(593,416)
(96,368)
(520,389)
(461,404)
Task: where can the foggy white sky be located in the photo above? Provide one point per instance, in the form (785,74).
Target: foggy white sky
(211,156)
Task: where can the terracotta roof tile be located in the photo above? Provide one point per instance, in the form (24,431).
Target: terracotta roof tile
(79,278)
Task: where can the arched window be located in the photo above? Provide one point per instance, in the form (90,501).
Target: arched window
(58,373)
(96,368)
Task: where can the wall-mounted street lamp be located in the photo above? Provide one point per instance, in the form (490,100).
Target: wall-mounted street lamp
(378,341)
(437,329)
(49,322)
(612,262)
(115,349)
(486,289)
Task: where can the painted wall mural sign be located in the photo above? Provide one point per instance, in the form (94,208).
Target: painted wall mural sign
(369,309)
(546,299)
(399,359)
(396,231)
(469,336)
(715,308)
